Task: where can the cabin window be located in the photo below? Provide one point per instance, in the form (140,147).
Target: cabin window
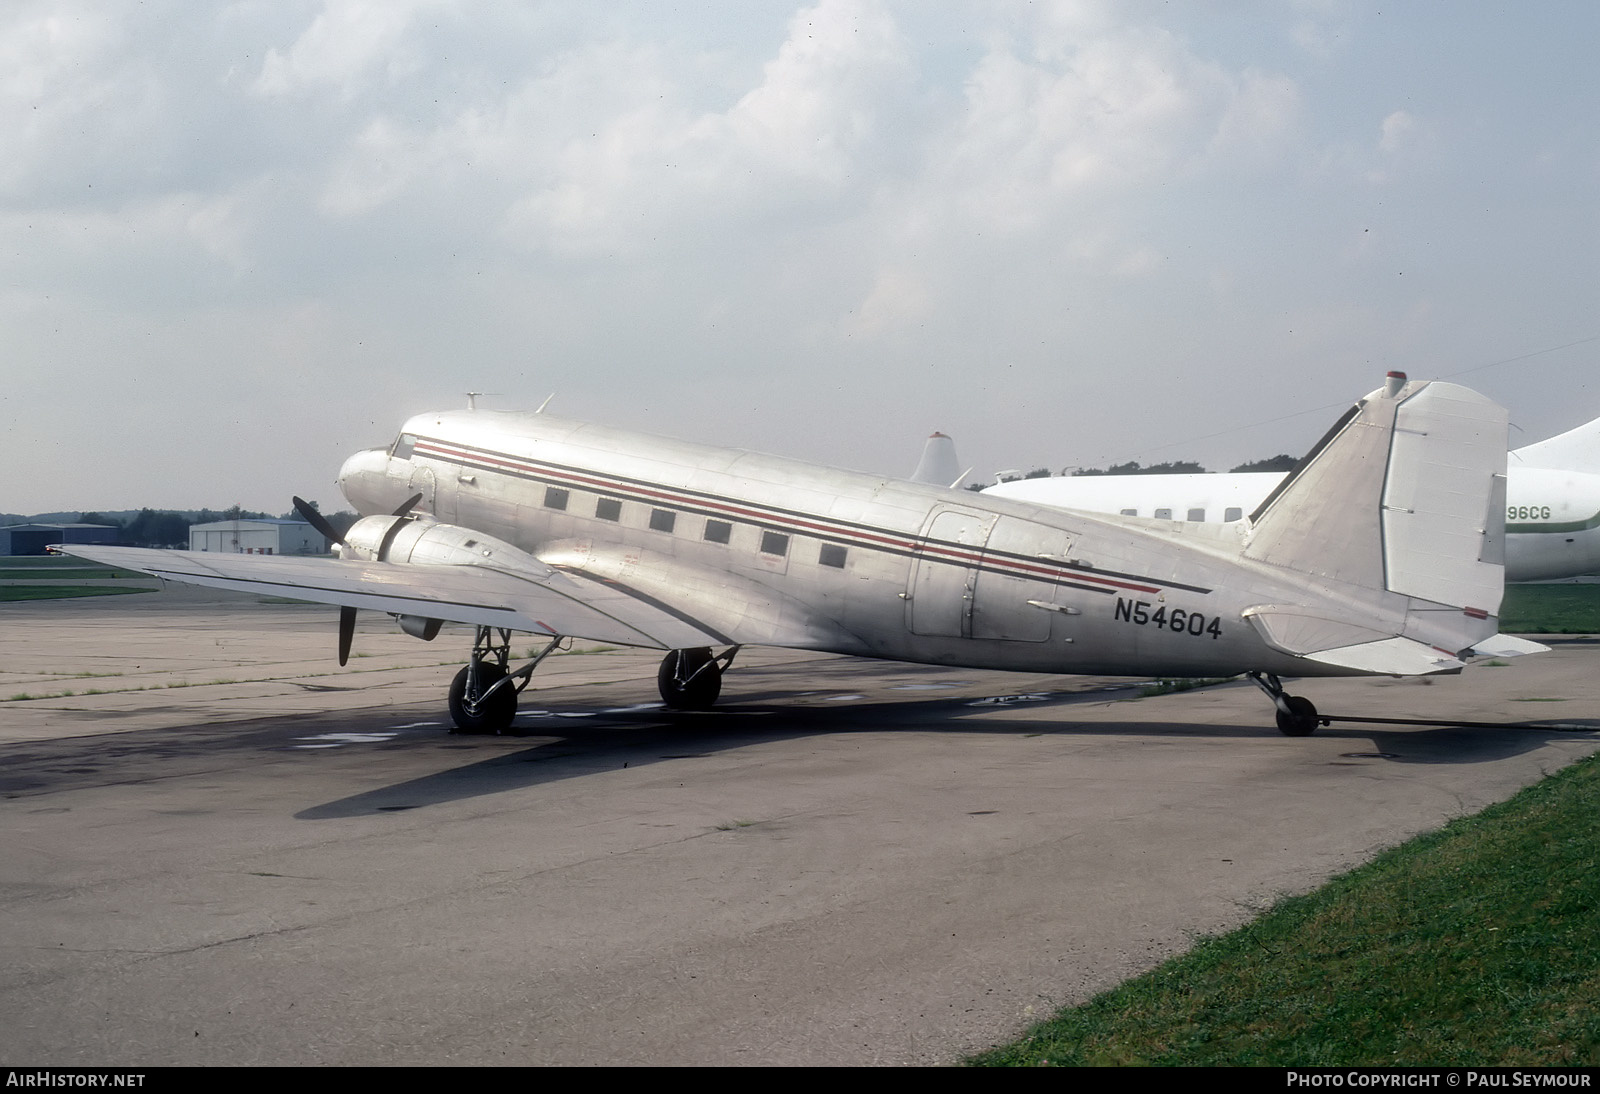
(662,520)
(718,531)
(1163,514)
(1130,512)
(1233,512)
(774,543)
(608,509)
(555,497)
(403,445)
(832,555)
(1197,514)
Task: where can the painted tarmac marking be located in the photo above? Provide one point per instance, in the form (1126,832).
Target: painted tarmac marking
(996,700)
(338,740)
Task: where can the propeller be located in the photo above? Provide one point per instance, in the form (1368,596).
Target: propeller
(347,614)
(347,632)
(319,522)
(394,529)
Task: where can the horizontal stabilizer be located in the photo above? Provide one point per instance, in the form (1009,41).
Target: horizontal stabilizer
(1391,657)
(1507,645)
(1299,631)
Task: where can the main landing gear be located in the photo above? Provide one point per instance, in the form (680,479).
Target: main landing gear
(483,696)
(692,679)
(1297,717)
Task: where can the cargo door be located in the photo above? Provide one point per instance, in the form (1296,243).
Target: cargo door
(944,577)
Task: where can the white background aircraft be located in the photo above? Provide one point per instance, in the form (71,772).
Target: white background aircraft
(1381,555)
(1552,500)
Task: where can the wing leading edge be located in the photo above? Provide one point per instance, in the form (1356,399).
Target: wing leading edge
(542,601)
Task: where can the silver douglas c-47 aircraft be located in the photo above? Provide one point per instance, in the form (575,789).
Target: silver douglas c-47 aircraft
(1382,554)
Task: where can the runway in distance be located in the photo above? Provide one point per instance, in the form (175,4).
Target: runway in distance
(1552,499)
(1381,555)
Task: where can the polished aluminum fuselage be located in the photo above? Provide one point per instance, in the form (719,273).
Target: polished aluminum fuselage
(757,549)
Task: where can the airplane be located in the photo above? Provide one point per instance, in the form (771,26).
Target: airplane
(1552,503)
(1381,555)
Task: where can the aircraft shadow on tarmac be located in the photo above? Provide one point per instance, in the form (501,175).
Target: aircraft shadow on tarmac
(581,742)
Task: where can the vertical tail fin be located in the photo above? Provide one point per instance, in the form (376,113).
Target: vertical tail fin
(1399,514)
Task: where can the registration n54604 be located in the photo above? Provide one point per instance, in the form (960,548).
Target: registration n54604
(1176,620)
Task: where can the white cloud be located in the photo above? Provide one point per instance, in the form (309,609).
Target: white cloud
(1397,129)
(348,44)
(1088,117)
(600,151)
(76,108)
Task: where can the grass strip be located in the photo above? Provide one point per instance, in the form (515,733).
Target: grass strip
(1551,609)
(1478,944)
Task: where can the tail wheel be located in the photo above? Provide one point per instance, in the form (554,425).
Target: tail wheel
(1300,720)
(683,684)
(482,712)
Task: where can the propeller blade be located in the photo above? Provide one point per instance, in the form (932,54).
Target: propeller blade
(394,529)
(319,522)
(347,631)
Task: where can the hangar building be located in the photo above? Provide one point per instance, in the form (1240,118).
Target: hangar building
(32,539)
(264,536)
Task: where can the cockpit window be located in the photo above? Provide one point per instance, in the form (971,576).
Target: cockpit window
(403,445)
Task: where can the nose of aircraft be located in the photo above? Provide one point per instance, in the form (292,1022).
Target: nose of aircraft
(363,479)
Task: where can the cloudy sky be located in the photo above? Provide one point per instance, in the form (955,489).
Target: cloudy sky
(240,240)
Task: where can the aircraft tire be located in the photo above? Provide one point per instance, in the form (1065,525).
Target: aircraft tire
(698,694)
(494,715)
(1301,718)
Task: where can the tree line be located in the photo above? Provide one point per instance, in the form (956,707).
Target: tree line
(1281,462)
(170,527)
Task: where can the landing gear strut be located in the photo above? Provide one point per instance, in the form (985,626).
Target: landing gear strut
(692,679)
(1297,717)
(483,695)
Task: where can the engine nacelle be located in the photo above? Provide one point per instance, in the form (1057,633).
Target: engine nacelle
(418,626)
(423,542)
(418,541)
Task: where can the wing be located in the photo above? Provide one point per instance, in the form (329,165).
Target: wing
(534,598)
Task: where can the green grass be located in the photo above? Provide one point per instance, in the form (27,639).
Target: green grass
(1172,685)
(1478,944)
(10,593)
(68,575)
(30,565)
(1551,609)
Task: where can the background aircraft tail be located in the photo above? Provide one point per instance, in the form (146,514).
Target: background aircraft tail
(1398,514)
(938,466)
(1575,450)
